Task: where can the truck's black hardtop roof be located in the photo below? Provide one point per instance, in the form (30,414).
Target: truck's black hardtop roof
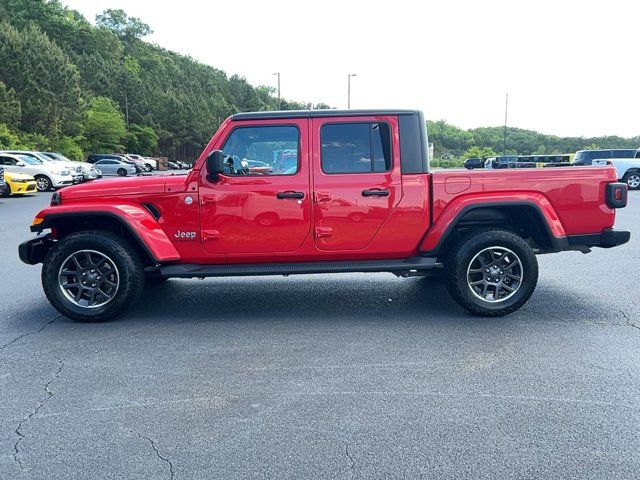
(318,113)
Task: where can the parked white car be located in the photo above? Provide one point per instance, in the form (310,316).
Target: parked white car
(88,171)
(626,161)
(75,169)
(149,163)
(47,175)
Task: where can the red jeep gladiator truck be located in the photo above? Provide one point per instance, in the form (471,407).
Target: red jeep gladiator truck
(320,191)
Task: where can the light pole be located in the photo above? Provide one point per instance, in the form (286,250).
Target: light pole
(278,75)
(349,89)
(506,109)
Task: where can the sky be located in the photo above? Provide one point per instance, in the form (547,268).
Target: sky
(570,68)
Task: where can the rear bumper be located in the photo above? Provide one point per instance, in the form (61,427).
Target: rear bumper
(607,239)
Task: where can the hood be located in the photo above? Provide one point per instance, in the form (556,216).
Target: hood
(17,176)
(112,187)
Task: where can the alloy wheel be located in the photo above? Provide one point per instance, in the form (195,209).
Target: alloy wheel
(43,184)
(633,181)
(495,274)
(89,279)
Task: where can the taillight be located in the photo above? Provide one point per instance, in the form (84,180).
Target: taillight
(616,195)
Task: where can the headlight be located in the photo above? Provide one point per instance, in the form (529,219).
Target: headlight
(64,173)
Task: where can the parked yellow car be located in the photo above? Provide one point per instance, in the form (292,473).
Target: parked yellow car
(18,183)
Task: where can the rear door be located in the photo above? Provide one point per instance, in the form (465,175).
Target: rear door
(357,180)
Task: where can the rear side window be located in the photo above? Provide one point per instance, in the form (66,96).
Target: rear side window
(356,147)
(264,150)
(623,153)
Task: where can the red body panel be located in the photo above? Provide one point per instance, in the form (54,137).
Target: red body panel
(343,219)
(239,219)
(139,220)
(572,200)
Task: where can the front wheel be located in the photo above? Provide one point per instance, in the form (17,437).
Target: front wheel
(632,180)
(92,276)
(122,172)
(491,272)
(147,167)
(43,184)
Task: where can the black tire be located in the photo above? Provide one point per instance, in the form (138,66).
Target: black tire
(43,183)
(6,191)
(129,267)
(632,179)
(122,172)
(470,251)
(147,167)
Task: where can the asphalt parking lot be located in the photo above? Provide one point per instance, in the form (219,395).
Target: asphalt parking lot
(335,376)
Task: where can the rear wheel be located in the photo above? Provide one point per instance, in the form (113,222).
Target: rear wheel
(122,172)
(92,276)
(491,273)
(43,184)
(632,180)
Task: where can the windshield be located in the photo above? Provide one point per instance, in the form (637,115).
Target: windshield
(29,160)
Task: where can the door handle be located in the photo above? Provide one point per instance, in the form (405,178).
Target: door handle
(289,194)
(375,192)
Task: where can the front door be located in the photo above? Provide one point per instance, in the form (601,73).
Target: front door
(357,179)
(261,204)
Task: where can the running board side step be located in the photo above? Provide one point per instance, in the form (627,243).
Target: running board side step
(402,267)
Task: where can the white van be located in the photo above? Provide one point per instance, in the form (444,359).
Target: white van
(625,160)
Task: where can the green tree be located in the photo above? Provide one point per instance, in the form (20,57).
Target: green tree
(45,81)
(123,25)
(10,111)
(104,126)
(10,140)
(479,152)
(141,140)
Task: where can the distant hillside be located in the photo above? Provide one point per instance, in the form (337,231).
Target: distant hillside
(70,86)
(458,142)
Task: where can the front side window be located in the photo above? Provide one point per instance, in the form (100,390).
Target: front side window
(356,147)
(264,150)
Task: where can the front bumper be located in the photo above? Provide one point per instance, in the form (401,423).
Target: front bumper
(60,181)
(33,251)
(19,188)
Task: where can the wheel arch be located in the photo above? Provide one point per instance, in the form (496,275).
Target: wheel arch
(143,231)
(526,218)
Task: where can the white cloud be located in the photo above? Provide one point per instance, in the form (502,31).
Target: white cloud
(570,68)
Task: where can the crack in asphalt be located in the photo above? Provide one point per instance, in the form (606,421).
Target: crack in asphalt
(628,320)
(20,337)
(352,467)
(159,455)
(33,413)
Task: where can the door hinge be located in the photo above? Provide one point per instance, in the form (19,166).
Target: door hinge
(322,232)
(210,235)
(321,197)
(204,199)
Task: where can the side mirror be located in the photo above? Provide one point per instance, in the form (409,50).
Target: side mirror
(20,163)
(215,164)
